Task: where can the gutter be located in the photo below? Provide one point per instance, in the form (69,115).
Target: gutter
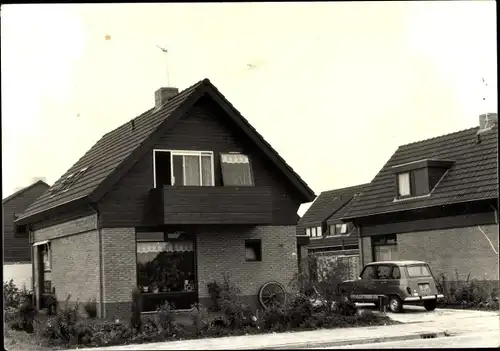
(99,245)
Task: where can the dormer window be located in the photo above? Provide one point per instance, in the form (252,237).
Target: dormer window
(404,188)
(419,178)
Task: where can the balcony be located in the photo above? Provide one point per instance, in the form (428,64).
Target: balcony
(210,205)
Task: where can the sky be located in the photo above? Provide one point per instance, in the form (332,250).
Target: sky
(334,87)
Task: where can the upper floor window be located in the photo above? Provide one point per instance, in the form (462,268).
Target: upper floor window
(404,188)
(338,229)
(314,232)
(188,168)
(236,170)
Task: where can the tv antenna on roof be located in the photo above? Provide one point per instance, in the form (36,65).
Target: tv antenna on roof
(165,51)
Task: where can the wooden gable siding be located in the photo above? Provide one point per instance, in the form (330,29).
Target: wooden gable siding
(201,129)
(17,247)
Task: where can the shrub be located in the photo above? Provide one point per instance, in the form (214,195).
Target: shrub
(199,317)
(11,294)
(104,333)
(214,289)
(298,310)
(165,319)
(91,308)
(471,294)
(274,318)
(345,308)
(63,326)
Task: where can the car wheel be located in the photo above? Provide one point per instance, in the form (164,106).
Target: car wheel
(395,304)
(430,305)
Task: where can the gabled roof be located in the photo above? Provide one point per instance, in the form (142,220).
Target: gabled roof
(117,151)
(328,203)
(23,190)
(472,177)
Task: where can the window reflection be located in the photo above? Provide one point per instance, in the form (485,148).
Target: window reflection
(165,266)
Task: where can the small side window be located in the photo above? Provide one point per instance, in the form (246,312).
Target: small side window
(253,250)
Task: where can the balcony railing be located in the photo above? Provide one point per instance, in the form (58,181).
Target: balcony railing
(210,205)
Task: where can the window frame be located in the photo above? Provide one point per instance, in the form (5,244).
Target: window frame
(308,231)
(250,243)
(173,153)
(249,167)
(319,232)
(410,188)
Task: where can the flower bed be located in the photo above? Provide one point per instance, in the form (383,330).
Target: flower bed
(69,328)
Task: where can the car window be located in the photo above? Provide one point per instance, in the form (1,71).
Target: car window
(384,272)
(418,271)
(369,273)
(396,273)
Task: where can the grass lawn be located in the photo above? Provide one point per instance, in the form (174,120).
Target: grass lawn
(21,341)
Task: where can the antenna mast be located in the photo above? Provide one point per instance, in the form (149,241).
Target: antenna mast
(165,51)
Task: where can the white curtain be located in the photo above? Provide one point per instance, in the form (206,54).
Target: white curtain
(404,184)
(169,246)
(206,170)
(236,169)
(192,170)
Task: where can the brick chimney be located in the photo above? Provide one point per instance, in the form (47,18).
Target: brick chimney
(162,95)
(488,120)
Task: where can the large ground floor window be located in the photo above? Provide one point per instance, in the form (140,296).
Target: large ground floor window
(166,269)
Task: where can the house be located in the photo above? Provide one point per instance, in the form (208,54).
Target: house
(436,200)
(330,238)
(16,245)
(169,202)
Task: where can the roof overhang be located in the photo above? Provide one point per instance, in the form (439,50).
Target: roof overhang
(61,208)
(426,163)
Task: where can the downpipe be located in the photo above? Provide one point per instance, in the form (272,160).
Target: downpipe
(99,246)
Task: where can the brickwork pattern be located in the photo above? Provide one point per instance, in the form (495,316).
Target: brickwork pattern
(118,269)
(465,250)
(75,267)
(223,251)
(75,226)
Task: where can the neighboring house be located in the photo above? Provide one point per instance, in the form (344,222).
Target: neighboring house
(168,202)
(16,244)
(436,200)
(330,238)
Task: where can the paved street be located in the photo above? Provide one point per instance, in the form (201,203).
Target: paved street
(417,321)
(469,340)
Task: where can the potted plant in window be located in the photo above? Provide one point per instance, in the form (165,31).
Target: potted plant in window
(154,287)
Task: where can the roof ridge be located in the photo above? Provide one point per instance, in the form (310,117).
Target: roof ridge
(22,190)
(193,86)
(439,136)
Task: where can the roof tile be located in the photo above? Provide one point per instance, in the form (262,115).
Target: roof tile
(473,176)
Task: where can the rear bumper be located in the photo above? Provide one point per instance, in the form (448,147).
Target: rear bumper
(423,298)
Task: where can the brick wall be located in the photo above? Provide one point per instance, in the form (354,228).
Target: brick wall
(464,249)
(67,228)
(75,259)
(75,267)
(223,251)
(118,270)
